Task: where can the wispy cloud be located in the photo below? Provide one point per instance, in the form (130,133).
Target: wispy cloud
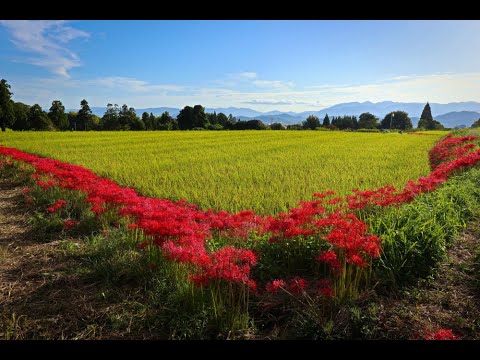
(133,85)
(247,75)
(436,88)
(250,78)
(47,42)
(266,102)
(273,84)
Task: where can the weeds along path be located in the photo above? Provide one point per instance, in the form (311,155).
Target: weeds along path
(43,292)
(451,299)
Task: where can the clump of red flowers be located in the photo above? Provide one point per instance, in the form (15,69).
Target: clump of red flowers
(70,223)
(275,285)
(442,334)
(58,205)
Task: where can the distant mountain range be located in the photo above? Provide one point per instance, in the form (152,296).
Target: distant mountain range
(450,115)
(458,118)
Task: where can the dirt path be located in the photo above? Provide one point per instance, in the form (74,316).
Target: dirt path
(451,300)
(33,279)
(42,296)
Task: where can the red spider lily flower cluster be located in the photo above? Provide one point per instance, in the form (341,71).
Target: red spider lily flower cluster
(182,230)
(442,334)
(58,205)
(295,285)
(449,155)
(45,185)
(70,223)
(324,288)
(275,285)
(450,148)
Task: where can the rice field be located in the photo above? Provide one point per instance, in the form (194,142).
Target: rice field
(266,171)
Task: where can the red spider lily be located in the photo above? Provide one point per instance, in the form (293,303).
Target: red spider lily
(296,285)
(70,223)
(327,292)
(442,334)
(327,257)
(58,205)
(275,285)
(324,287)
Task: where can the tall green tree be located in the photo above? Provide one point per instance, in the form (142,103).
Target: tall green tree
(57,115)
(147,121)
(21,116)
(476,124)
(212,118)
(396,120)
(38,119)
(222,119)
(154,121)
(426,120)
(199,117)
(7,112)
(84,116)
(312,122)
(166,122)
(367,121)
(326,121)
(126,117)
(110,119)
(185,118)
(94,123)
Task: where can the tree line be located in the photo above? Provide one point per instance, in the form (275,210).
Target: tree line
(399,120)
(19,116)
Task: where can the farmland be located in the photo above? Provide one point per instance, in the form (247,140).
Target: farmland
(221,273)
(267,172)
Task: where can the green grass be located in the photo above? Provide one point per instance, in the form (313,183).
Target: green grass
(415,236)
(267,171)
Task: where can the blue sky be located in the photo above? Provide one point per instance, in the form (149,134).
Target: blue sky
(264,65)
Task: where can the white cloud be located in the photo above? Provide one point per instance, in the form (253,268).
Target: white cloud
(435,88)
(273,84)
(247,75)
(250,78)
(267,102)
(132,85)
(47,41)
